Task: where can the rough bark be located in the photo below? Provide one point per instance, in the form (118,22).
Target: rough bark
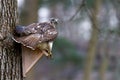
(10,56)
(93,41)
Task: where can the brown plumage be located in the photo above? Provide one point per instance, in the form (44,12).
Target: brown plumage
(37,35)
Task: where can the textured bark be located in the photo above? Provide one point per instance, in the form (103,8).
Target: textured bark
(10,56)
(93,41)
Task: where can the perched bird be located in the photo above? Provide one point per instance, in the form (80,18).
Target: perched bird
(38,35)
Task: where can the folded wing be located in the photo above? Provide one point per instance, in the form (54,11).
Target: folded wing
(30,41)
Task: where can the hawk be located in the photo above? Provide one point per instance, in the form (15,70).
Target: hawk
(38,35)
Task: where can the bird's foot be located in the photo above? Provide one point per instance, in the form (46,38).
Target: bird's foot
(49,56)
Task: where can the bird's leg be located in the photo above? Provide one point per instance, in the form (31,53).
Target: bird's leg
(45,48)
(49,51)
(45,53)
(50,54)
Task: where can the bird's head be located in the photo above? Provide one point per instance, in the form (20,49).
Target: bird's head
(54,21)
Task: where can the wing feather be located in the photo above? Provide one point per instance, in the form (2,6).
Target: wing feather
(30,41)
(37,33)
(50,35)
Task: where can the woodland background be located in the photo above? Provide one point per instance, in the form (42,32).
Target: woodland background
(88,44)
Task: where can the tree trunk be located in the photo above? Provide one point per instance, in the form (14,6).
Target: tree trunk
(10,54)
(105,58)
(93,41)
(117,68)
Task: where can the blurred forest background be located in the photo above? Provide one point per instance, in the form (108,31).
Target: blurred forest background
(88,44)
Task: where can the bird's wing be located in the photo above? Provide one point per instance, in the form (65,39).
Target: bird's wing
(50,34)
(30,29)
(30,41)
(31,25)
(37,33)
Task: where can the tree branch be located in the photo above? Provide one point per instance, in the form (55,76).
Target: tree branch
(78,10)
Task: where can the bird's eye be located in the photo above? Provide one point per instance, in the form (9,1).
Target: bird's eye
(55,21)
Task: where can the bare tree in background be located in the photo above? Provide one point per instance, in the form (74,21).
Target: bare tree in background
(93,41)
(117,69)
(10,55)
(105,58)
